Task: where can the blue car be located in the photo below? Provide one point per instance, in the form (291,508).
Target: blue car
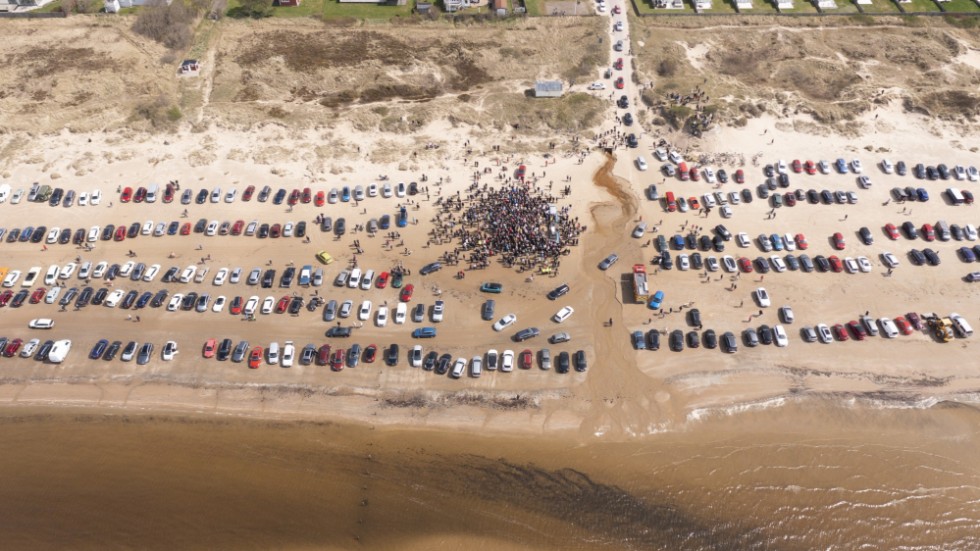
(424,333)
(639,343)
(99,349)
(345,194)
(677,242)
(385,222)
(656,301)
(841,166)
(967,254)
(402,219)
(173,227)
(777,241)
(923,194)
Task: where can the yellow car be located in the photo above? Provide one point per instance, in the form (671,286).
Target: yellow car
(324,257)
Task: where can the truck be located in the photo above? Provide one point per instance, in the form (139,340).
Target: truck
(43,194)
(942,328)
(641,289)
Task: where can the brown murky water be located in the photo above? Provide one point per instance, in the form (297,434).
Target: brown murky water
(803,476)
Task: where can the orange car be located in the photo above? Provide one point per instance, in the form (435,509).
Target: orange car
(209,348)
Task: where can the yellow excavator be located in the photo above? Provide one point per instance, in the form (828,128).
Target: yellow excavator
(942,328)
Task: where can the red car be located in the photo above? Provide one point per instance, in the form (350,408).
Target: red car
(236,306)
(618,65)
(838,241)
(275,230)
(237,228)
(5,297)
(745,265)
(127,194)
(835,264)
(185,229)
(318,199)
(695,174)
(790,199)
(337,361)
(840,333)
(740,176)
(797,166)
(209,347)
(120,233)
(915,320)
(255,358)
(892,231)
(383,280)
(903,325)
(168,193)
(406,294)
(801,243)
(370,353)
(859,331)
(619,83)
(293,197)
(693,203)
(810,167)
(525,359)
(38,295)
(283,304)
(247,195)
(323,355)
(307,195)
(12,348)
(140,195)
(928,232)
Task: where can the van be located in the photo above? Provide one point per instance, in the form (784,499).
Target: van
(152,193)
(961,325)
(304,275)
(942,230)
(955,196)
(671,202)
(273,353)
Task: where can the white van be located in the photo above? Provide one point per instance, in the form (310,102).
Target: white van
(961,325)
(273,353)
(59,351)
(152,193)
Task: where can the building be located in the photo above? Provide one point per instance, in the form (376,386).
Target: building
(830,4)
(548,89)
(783,4)
(668,4)
(702,5)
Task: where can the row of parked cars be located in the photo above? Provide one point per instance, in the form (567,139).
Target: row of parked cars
(50,350)
(339,358)
(53,196)
(142,353)
(168,194)
(678,339)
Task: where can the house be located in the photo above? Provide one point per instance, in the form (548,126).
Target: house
(743,5)
(423,7)
(783,4)
(668,4)
(830,4)
(702,5)
(456,5)
(500,7)
(548,89)
(285,3)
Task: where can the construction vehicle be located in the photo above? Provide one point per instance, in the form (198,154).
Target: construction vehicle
(942,328)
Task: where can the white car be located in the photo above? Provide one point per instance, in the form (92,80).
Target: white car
(174,303)
(100,270)
(743,239)
(675,157)
(236,275)
(889,259)
(386,190)
(597,86)
(641,163)
(709,200)
(230,196)
(505,322)
(781,166)
(851,265)
(782,339)
(52,295)
(212,228)
(438,309)
(709,175)
(272,353)
(95,198)
(53,235)
(287,229)
(856,166)
(887,166)
(888,328)
(267,305)
(31,277)
(459,368)
(824,334)
(221,277)
(734,198)
(114,297)
(288,352)
(41,323)
(683,262)
(66,271)
(372,190)
(972,173)
(59,351)
(563,314)
(93,234)
(160,230)
(151,273)
(201,274)
(415,357)
(367,280)
(147,228)
(188,274)
(381,317)
(29,348)
(250,305)
(777,263)
(4,192)
(364,312)
(726,211)
(970,232)
(127,268)
(169,351)
(762,297)
(219,304)
(345,308)
(507,361)
(728,263)
(400,312)
(864,264)
(786,314)
(789,242)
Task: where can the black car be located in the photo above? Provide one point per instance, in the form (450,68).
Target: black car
(900,168)
(526,334)
(144,299)
(111,352)
(792,263)
(56,196)
(486,312)
(931,256)
(263,231)
(919,171)
(65,236)
(391,355)
(910,230)
(38,234)
(765,334)
(300,230)
(42,352)
(279,197)
(296,305)
(429,268)
(719,244)
(429,363)
(134,230)
(159,298)
(761,265)
(722,176)
(694,317)
(865,234)
(287,277)
(202,196)
(339,332)
(822,263)
(129,299)
(631,141)
(201,225)
(99,349)
(84,297)
(827,197)
(353,355)
(628,119)
(943,171)
(268,278)
(911,194)
(112,272)
(750,337)
(677,340)
(812,196)
(899,194)
(932,173)
(79,237)
(653,339)
(562,365)
(691,241)
(68,296)
(784,180)
(19,298)
(99,297)
(171,274)
(26,234)
(769,171)
(696,261)
(14,235)
(579,360)
(763,192)
(710,339)
(746,196)
(623,102)
(705,243)
(173,228)
(666,262)
(442,367)
(559,291)
(693,339)
(729,343)
(340,228)
(224,350)
(189,300)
